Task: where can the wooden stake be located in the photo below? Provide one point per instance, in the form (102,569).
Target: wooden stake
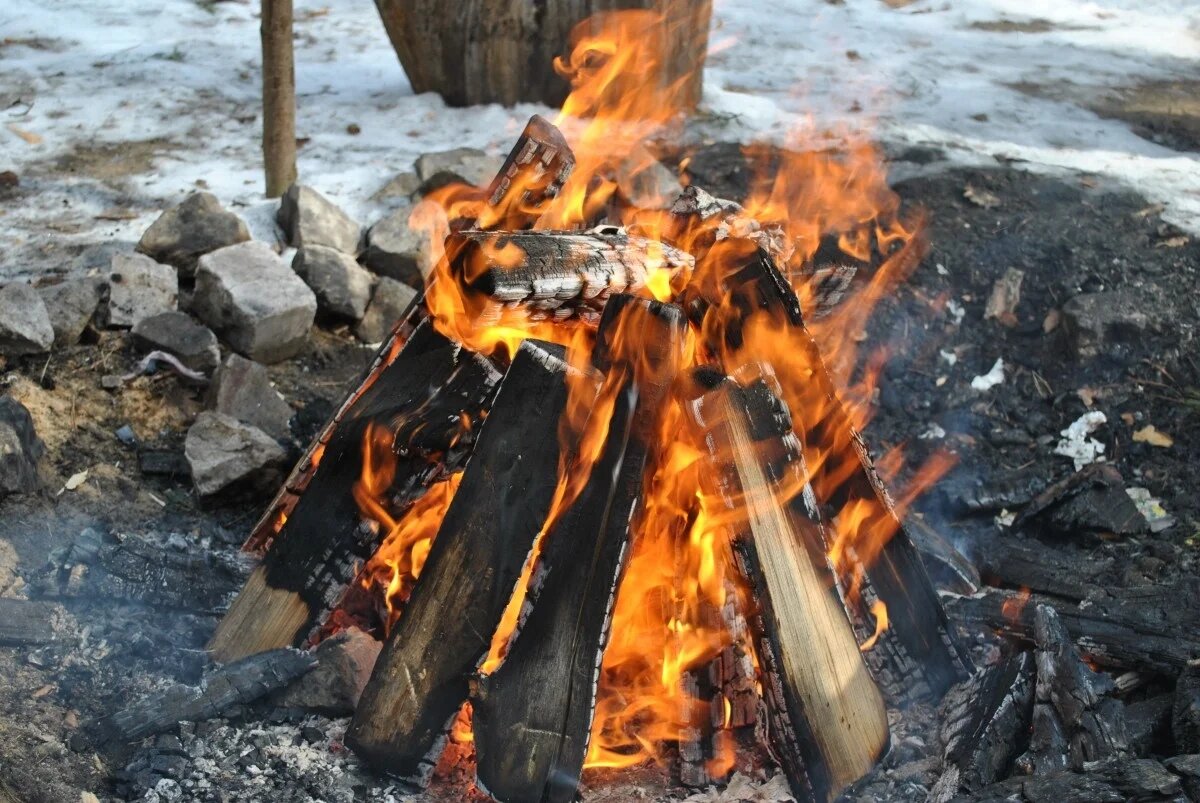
(279,96)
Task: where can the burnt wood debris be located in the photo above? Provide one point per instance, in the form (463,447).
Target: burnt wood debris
(811,670)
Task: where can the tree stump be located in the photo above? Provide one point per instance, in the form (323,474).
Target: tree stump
(490,51)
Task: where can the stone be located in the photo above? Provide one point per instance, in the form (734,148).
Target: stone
(398,251)
(223,452)
(309,218)
(138,287)
(197,226)
(402,186)
(458,165)
(72,306)
(645,182)
(20,449)
(389,302)
(333,688)
(25,326)
(254,301)
(341,285)
(1096,322)
(241,389)
(194,344)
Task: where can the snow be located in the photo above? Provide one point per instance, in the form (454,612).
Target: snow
(162,96)
(1076,444)
(995,376)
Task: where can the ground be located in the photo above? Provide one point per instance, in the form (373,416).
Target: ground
(1063,145)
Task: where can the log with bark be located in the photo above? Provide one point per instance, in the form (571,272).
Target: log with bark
(530,178)
(421,396)
(829,724)
(1144,628)
(532,715)
(552,274)
(917,655)
(421,677)
(488,51)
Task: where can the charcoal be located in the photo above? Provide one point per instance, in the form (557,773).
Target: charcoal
(1185,712)
(1092,500)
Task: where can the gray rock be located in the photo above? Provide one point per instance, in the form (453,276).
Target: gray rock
(402,186)
(71,306)
(341,285)
(250,297)
(462,165)
(241,389)
(344,664)
(309,218)
(24,323)
(138,287)
(222,452)
(646,182)
(389,302)
(398,251)
(198,225)
(1095,322)
(194,344)
(20,449)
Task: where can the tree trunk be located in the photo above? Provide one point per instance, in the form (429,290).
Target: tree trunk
(279,96)
(489,51)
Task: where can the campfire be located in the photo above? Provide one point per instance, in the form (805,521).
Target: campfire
(602,490)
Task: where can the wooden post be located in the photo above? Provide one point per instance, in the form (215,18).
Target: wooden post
(279,96)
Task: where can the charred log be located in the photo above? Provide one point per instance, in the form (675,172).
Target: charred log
(554,275)
(1028,563)
(532,716)
(985,727)
(1116,779)
(1185,711)
(829,725)
(421,397)
(421,678)
(1092,500)
(238,683)
(24,622)
(1144,628)
(530,179)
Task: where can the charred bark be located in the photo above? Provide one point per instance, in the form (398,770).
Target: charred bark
(420,397)
(1144,628)
(532,716)
(530,178)
(421,677)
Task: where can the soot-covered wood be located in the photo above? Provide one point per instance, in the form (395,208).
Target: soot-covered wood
(421,397)
(917,656)
(532,716)
(421,677)
(1145,627)
(985,726)
(554,274)
(828,720)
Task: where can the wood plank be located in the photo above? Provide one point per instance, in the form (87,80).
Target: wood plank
(421,678)
(532,716)
(829,720)
(917,656)
(421,397)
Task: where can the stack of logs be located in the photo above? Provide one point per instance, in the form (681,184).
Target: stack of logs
(824,705)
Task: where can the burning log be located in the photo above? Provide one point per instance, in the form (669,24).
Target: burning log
(421,395)
(238,683)
(552,274)
(1143,628)
(530,178)
(916,656)
(986,727)
(420,680)
(829,724)
(532,715)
